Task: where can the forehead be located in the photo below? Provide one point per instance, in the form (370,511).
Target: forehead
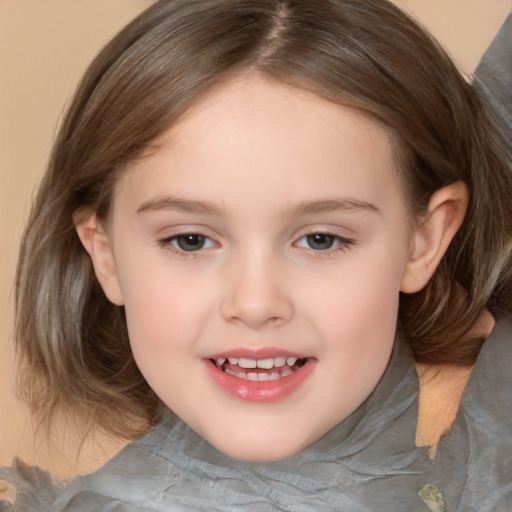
(272,105)
(250,133)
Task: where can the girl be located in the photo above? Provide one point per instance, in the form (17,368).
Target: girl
(255,215)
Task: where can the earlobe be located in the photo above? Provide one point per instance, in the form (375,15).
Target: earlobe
(97,243)
(432,236)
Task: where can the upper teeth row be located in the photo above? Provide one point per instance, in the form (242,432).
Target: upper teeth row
(266,364)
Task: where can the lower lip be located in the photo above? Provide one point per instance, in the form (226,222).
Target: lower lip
(260,391)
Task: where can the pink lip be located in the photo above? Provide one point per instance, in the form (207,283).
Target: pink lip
(259,391)
(257,353)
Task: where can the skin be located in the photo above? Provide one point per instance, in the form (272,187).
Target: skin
(440,391)
(255,168)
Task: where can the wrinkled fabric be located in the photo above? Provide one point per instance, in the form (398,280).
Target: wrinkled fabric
(478,448)
(367,463)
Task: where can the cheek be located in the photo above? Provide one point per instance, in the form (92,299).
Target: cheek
(167,310)
(355,314)
(163,327)
(163,313)
(362,295)
(148,295)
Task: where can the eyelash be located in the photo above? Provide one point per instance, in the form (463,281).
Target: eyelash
(167,244)
(339,244)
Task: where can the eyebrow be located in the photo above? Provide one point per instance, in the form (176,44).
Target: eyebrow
(179,205)
(303,208)
(330,205)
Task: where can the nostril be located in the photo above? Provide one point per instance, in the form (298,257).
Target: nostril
(256,302)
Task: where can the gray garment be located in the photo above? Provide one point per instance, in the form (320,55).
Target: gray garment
(369,462)
(493,75)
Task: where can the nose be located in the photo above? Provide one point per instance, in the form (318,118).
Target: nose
(256,294)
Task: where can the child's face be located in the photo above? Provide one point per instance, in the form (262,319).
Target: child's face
(268,227)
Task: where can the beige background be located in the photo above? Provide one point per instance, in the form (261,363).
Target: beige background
(44,47)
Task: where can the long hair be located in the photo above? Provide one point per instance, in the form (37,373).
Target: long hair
(72,342)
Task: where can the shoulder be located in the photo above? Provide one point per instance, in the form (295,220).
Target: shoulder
(441,388)
(488,394)
(440,391)
(474,458)
(482,394)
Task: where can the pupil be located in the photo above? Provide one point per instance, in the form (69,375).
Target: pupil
(320,241)
(191,242)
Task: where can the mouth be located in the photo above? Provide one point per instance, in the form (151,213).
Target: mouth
(264,379)
(259,370)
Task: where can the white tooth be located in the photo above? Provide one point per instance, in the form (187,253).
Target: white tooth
(241,375)
(230,372)
(266,364)
(221,361)
(252,376)
(263,376)
(246,363)
(290,361)
(233,360)
(279,362)
(273,376)
(286,371)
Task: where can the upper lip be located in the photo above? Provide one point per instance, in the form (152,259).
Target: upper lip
(257,353)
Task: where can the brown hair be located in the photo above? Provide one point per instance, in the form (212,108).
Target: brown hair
(72,342)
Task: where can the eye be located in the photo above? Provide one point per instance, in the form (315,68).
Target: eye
(188,242)
(323,242)
(320,241)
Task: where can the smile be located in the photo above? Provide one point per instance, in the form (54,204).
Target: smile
(263,379)
(260,370)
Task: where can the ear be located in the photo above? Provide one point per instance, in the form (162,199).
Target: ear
(432,236)
(96,241)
